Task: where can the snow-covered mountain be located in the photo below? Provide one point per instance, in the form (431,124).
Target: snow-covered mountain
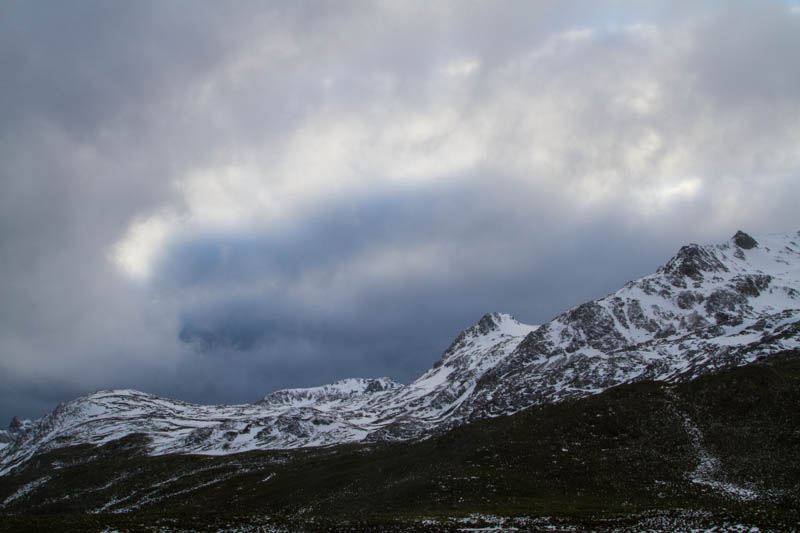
(709,307)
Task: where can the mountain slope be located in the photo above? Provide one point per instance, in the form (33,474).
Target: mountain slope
(708,308)
(647,456)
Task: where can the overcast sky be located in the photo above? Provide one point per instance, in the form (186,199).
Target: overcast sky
(213,200)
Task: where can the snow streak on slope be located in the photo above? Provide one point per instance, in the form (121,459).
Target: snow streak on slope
(709,307)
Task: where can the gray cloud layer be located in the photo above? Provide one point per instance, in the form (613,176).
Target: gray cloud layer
(210,201)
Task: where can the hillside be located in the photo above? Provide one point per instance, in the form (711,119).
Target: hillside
(723,448)
(708,308)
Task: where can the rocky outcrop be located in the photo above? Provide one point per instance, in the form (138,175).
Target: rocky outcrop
(744,241)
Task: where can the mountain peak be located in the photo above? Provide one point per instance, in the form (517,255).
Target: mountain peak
(491,330)
(489,322)
(743,240)
(493,324)
(15,424)
(690,262)
(705,309)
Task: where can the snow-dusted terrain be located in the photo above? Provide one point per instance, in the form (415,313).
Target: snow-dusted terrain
(709,307)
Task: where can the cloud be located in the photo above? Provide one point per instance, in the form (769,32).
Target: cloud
(612,114)
(211,202)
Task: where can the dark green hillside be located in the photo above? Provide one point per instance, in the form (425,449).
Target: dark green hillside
(612,460)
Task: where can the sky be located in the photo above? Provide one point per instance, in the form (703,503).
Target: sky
(211,201)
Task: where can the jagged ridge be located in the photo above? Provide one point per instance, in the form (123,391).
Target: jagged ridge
(709,307)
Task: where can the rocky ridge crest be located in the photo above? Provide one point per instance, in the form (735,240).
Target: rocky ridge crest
(707,308)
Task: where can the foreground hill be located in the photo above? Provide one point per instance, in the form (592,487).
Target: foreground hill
(720,450)
(707,308)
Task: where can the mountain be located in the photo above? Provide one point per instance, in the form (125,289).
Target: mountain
(717,453)
(708,308)
(9,435)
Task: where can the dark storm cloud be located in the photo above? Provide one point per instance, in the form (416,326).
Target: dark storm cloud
(392,325)
(211,201)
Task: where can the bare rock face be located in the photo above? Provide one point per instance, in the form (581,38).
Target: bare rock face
(16,424)
(707,308)
(744,241)
(691,263)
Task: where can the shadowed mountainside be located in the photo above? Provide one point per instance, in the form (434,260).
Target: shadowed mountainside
(722,448)
(707,308)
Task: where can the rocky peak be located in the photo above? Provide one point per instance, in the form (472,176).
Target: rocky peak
(488,323)
(492,325)
(690,262)
(490,329)
(743,240)
(16,424)
(16,428)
